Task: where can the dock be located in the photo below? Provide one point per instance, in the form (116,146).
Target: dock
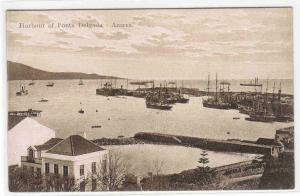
(28,113)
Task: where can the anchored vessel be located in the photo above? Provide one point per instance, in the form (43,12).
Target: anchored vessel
(157,100)
(80,82)
(31,83)
(50,84)
(108,90)
(22,91)
(252,84)
(43,100)
(158,105)
(217,101)
(81,111)
(266,107)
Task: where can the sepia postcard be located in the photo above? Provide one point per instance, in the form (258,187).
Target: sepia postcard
(185,99)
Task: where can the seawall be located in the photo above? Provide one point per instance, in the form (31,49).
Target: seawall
(209,144)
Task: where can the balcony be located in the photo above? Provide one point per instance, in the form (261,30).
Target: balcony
(31,159)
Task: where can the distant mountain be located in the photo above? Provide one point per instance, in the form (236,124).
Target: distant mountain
(18,71)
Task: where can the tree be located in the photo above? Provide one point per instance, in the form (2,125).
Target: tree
(203,160)
(111,172)
(22,180)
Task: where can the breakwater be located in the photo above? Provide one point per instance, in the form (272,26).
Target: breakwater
(209,144)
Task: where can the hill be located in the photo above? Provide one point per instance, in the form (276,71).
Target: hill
(19,71)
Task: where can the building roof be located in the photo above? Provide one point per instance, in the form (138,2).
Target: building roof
(14,120)
(27,132)
(48,144)
(75,145)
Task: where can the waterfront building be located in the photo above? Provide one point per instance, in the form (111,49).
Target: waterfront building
(23,132)
(74,157)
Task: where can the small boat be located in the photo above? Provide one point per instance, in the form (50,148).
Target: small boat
(50,84)
(31,83)
(80,82)
(96,126)
(81,111)
(43,100)
(236,118)
(228,132)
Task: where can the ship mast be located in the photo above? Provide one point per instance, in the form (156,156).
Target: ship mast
(216,86)
(208,81)
(273,92)
(266,99)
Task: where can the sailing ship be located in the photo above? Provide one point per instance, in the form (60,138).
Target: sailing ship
(80,82)
(215,102)
(261,112)
(22,91)
(157,100)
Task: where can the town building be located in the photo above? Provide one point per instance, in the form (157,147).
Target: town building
(23,132)
(74,157)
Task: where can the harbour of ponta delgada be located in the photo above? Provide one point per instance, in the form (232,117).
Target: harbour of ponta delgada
(103,134)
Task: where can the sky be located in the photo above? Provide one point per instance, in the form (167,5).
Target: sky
(240,43)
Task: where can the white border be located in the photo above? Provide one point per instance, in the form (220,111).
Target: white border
(121,4)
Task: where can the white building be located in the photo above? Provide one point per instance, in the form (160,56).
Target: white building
(23,132)
(74,156)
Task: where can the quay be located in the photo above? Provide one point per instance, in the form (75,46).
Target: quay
(28,113)
(212,144)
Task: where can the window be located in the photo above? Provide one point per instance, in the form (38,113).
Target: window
(38,171)
(65,170)
(30,153)
(31,169)
(104,163)
(81,170)
(24,167)
(94,184)
(55,169)
(47,168)
(93,167)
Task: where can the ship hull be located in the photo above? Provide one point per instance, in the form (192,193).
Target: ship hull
(183,100)
(111,92)
(22,93)
(261,118)
(159,107)
(217,106)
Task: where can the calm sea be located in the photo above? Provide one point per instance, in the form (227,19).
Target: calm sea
(128,115)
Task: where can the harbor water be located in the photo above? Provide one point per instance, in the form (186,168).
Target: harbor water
(144,158)
(125,116)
